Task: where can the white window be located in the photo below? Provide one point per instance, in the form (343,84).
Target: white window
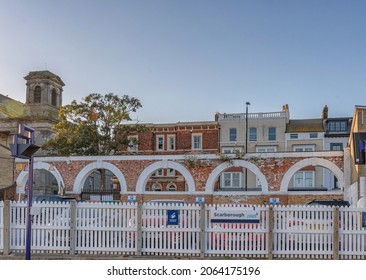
(304,179)
(171,142)
(336,146)
(132,145)
(231,180)
(196,141)
(303,148)
(159,143)
(266,149)
(232,150)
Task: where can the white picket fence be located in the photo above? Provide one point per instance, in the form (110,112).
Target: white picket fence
(143,229)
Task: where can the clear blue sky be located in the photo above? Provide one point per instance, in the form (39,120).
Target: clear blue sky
(187,59)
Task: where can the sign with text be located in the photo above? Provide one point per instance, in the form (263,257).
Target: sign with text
(223,215)
(173,216)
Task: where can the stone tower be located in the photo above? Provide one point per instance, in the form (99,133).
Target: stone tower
(44,93)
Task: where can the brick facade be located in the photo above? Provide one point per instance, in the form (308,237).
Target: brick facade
(200,168)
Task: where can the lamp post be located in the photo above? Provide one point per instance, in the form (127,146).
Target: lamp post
(246,142)
(26,151)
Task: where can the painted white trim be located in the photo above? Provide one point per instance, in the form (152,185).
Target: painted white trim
(87,170)
(210,183)
(146,173)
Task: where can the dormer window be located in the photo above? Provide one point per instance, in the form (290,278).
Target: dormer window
(337,126)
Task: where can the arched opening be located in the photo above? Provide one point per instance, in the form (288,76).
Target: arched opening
(236,175)
(237,178)
(101,185)
(165,173)
(100,181)
(37,97)
(54,97)
(168,179)
(313,174)
(47,180)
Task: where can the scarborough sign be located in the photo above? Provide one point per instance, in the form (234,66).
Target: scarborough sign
(234,216)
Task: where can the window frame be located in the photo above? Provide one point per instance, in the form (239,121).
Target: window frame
(252,134)
(304,179)
(194,135)
(229,176)
(135,145)
(158,148)
(171,137)
(272,131)
(266,149)
(233,134)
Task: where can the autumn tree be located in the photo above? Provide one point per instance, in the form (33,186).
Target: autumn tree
(94,126)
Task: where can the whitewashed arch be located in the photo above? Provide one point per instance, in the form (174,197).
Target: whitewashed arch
(311,162)
(235,163)
(146,173)
(23,176)
(87,170)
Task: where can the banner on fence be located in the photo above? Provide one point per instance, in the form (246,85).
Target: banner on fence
(234,216)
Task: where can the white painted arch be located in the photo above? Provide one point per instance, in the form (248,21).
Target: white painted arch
(23,176)
(146,173)
(87,170)
(311,162)
(235,163)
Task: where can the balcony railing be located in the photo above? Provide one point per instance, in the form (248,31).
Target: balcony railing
(242,116)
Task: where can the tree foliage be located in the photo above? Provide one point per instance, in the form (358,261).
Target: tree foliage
(95,126)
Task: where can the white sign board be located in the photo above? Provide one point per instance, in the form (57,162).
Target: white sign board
(235,216)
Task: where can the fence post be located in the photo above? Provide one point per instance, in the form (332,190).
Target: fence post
(6,227)
(73,227)
(139,229)
(335,233)
(270,232)
(202,231)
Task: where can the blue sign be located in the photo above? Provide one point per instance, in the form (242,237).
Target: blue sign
(363,219)
(200,200)
(274,201)
(131,198)
(173,217)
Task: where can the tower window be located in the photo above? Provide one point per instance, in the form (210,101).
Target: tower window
(37,94)
(54,98)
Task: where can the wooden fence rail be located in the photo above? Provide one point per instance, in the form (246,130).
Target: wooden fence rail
(280,232)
